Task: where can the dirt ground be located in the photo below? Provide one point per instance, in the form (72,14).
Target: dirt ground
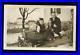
(64,41)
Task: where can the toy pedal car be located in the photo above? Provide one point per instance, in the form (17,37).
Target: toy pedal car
(32,39)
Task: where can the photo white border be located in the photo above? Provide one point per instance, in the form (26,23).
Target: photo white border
(41,48)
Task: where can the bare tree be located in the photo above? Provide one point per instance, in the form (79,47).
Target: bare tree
(25,13)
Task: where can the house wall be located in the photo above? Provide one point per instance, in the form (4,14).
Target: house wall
(64,16)
(43,12)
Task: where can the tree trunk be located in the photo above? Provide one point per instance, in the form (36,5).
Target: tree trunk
(23,23)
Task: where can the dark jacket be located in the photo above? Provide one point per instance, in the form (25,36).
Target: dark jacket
(42,27)
(57,22)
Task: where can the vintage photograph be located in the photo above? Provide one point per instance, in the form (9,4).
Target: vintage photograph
(39,27)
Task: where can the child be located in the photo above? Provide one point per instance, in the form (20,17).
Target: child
(40,26)
(50,30)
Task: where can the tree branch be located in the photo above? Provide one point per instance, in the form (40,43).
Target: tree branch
(26,16)
(21,11)
(27,9)
(19,18)
(24,12)
(32,10)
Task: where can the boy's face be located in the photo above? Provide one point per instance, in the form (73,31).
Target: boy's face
(41,22)
(49,22)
